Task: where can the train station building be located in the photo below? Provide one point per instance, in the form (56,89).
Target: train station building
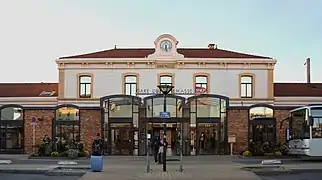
(219,96)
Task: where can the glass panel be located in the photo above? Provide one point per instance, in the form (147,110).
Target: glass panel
(149,108)
(85,79)
(261,112)
(130,79)
(67,113)
(120,107)
(14,137)
(128,89)
(208,138)
(317,128)
(201,79)
(67,133)
(208,107)
(12,113)
(121,139)
(299,127)
(165,79)
(316,112)
(223,105)
(158,106)
(193,119)
(249,90)
(105,117)
(136,120)
(246,79)
(243,90)
(193,105)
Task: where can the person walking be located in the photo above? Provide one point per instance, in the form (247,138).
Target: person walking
(156,146)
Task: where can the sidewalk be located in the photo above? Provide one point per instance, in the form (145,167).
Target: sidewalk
(222,169)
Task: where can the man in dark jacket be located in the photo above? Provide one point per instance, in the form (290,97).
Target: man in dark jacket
(156,146)
(97,146)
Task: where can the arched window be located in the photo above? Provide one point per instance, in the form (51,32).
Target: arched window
(67,124)
(261,112)
(85,86)
(12,113)
(130,85)
(246,86)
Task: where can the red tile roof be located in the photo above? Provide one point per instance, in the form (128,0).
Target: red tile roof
(26,89)
(188,53)
(34,89)
(297,89)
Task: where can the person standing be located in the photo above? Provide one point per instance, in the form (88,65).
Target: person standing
(156,146)
(97,146)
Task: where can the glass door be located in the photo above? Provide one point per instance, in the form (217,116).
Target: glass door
(262,138)
(208,138)
(11,139)
(121,139)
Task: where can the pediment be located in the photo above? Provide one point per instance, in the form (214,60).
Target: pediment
(166,48)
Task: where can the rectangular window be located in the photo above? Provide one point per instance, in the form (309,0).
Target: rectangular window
(166,80)
(246,87)
(130,85)
(85,86)
(201,84)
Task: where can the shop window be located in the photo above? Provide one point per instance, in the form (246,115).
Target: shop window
(85,86)
(67,126)
(261,112)
(130,84)
(246,86)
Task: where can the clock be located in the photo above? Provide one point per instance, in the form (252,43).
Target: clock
(166,45)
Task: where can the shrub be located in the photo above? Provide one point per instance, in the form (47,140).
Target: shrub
(278,153)
(63,154)
(247,154)
(72,153)
(55,153)
(42,149)
(83,153)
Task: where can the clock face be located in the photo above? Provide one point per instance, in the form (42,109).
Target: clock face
(166,45)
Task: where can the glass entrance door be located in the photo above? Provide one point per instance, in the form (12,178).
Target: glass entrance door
(121,139)
(262,138)
(11,139)
(208,138)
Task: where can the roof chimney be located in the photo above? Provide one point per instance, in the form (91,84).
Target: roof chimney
(115,46)
(308,70)
(211,46)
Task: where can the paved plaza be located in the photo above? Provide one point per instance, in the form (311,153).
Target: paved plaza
(131,168)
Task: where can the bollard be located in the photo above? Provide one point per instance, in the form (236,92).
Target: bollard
(97,163)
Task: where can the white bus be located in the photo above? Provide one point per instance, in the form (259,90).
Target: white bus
(305,131)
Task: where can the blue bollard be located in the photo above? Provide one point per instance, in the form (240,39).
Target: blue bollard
(97,163)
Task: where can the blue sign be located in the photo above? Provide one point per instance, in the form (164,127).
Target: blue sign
(164,114)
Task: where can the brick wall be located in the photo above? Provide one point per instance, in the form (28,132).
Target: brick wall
(90,126)
(238,126)
(42,128)
(280,115)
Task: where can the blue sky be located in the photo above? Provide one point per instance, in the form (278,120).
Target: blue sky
(34,33)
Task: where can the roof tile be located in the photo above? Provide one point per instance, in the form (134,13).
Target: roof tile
(26,89)
(187,52)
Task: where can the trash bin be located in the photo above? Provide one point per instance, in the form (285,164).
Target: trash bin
(96,163)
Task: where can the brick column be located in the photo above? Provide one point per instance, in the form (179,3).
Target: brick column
(280,115)
(90,125)
(238,126)
(43,127)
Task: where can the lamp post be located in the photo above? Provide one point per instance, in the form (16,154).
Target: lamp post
(165,89)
